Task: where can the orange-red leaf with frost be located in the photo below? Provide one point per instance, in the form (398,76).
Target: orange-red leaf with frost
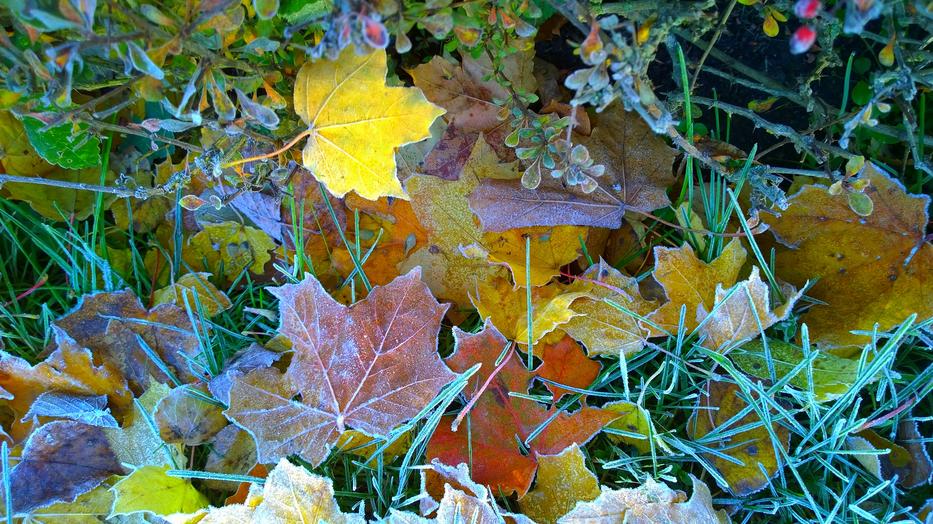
(566,363)
(369,367)
(498,419)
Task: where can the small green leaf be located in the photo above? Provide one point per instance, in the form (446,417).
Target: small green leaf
(63,147)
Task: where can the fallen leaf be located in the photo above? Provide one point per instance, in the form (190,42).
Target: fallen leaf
(70,369)
(232,451)
(184,417)
(565,363)
(150,489)
(402,234)
(561,482)
(60,461)
(370,367)
(112,324)
(638,173)
(832,376)
(498,420)
(448,157)
(253,357)
(290,494)
(871,270)
(362,445)
(87,409)
(601,327)
(183,292)
(910,463)
(633,419)
(90,508)
(551,249)
(650,503)
(229,249)
(441,207)
(742,312)
(690,282)
(466,90)
(138,442)
(357,122)
(507,309)
(754,448)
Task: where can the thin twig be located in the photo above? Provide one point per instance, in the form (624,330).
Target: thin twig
(121,192)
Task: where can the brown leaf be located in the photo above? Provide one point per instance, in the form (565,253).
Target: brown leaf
(565,363)
(638,173)
(232,451)
(450,154)
(183,417)
(756,451)
(60,461)
(370,367)
(871,270)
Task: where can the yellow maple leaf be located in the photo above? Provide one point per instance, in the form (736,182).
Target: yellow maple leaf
(228,248)
(551,248)
(690,282)
(562,481)
(355,123)
(871,270)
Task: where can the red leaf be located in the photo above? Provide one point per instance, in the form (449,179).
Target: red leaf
(498,420)
(567,364)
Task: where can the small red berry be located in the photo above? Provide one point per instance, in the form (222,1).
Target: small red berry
(802,39)
(807,9)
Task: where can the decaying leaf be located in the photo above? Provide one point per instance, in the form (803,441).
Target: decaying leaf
(87,409)
(638,173)
(61,460)
(183,292)
(467,92)
(356,123)
(908,459)
(290,494)
(186,417)
(498,418)
(872,270)
(690,282)
(603,328)
(92,507)
(754,448)
(70,369)
(138,442)
(650,503)
(232,451)
(832,375)
(450,154)
(742,312)
(150,489)
(121,332)
(442,209)
(507,309)
(561,482)
(370,367)
(228,249)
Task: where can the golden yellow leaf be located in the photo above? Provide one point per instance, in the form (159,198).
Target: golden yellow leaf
(89,508)
(290,494)
(507,309)
(600,326)
(689,281)
(743,312)
(753,448)
(562,481)
(150,489)
(874,269)
(650,503)
(442,208)
(212,300)
(356,122)
(228,248)
(551,248)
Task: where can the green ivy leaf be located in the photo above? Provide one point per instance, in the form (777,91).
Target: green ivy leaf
(60,147)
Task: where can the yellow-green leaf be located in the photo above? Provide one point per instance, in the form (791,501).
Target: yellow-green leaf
(152,490)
